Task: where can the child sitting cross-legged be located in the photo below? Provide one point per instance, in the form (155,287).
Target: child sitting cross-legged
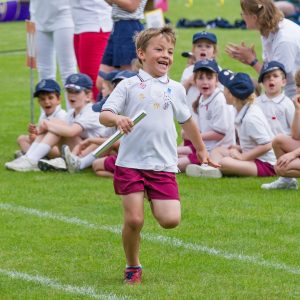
(213,116)
(47,92)
(254,156)
(81,122)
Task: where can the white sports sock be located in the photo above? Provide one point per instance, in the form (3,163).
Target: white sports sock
(32,146)
(38,152)
(87,161)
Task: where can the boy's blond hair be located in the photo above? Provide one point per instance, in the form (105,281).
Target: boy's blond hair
(142,38)
(268,15)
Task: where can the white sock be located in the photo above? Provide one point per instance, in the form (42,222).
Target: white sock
(38,152)
(32,146)
(87,161)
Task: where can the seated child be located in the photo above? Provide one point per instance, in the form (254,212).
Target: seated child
(287,151)
(214,117)
(278,108)
(80,123)
(48,93)
(79,160)
(254,156)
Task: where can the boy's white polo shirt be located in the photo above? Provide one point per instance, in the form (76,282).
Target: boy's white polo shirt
(58,113)
(152,143)
(215,115)
(279,112)
(88,120)
(254,130)
(284,47)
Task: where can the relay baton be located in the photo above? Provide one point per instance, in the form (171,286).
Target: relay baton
(116,136)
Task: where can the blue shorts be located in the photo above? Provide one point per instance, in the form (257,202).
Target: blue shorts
(120,49)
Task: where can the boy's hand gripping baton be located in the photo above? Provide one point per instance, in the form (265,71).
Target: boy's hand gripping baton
(116,136)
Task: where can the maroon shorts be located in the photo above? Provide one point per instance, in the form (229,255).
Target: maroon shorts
(156,185)
(110,163)
(264,169)
(193,156)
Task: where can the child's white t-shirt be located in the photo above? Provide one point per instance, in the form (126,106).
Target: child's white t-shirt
(254,130)
(215,115)
(279,112)
(58,113)
(152,143)
(89,121)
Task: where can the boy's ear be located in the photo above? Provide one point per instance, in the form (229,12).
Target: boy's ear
(283,82)
(140,53)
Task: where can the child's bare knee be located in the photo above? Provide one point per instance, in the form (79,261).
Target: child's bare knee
(134,222)
(169,223)
(278,140)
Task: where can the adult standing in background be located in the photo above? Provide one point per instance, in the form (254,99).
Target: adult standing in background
(93,24)
(54,38)
(280,40)
(120,50)
(289,7)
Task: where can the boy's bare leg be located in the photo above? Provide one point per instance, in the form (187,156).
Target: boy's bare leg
(283,144)
(133,205)
(231,166)
(166,212)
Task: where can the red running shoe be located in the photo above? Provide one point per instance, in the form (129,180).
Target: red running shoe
(133,275)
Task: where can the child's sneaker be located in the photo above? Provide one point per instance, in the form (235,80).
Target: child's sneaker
(72,161)
(281,183)
(18,153)
(22,164)
(133,275)
(55,164)
(203,171)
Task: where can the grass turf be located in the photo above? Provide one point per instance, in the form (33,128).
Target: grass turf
(235,240)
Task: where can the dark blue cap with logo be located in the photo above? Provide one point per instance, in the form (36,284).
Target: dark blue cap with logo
(79,81)
(269,67)
(108,76)
(46,85)
(205,35)
(240,85)
(123,74)
(97,107)
(207,64)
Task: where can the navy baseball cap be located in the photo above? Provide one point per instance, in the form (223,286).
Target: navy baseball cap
(208,64)
(97,107)
(79,82)
(269,67)
(205,35)
(240,85)
(122,75)
(46,85)
(108,76)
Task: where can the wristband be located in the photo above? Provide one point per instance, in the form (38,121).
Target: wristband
(253,62)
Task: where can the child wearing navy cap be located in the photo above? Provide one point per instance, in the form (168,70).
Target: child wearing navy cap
(47,91)
(80,123)
(81,157)
(277,107)
(287,151)
(254,155)
(214,117)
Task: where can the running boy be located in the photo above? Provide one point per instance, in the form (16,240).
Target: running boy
(48,93)
(214,117)
(147,157)
(254,156)
(278,108)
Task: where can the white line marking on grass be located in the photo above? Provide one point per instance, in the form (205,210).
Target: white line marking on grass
(173,242)
(68,288)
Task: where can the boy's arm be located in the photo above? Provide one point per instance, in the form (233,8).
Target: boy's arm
(63,129)
(110,119)
(194,135)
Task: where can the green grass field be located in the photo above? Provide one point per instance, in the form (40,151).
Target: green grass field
(60,233)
